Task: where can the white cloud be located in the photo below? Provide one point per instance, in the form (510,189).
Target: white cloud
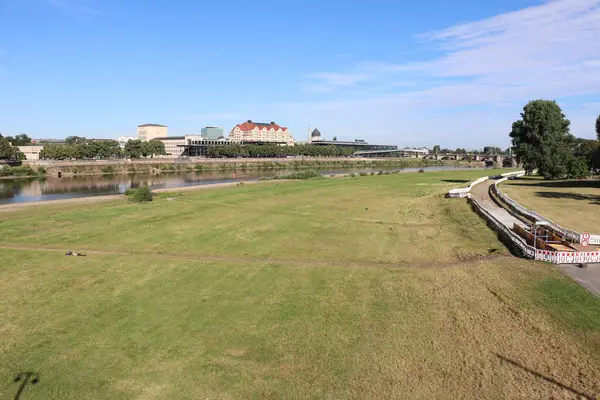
(546,51)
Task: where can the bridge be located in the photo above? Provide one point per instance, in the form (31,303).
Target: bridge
(504,160)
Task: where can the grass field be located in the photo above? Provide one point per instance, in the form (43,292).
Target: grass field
(366,287)
(572,204)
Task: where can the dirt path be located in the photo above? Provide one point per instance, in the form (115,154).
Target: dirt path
(261,260)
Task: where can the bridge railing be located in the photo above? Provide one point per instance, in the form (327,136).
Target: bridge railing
(463,192)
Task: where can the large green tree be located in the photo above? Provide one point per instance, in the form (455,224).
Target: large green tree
(133,148)
(8,152)
(541,139)
(19,140)
(598,127)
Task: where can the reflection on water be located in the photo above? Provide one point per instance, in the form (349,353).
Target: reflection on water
(52,188)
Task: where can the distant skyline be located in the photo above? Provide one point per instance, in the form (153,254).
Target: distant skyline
(421,73)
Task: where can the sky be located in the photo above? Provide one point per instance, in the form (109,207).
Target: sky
(410,73)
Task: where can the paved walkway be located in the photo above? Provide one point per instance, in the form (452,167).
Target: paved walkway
(482,195)
(588,277)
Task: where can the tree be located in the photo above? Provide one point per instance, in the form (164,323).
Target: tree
(492,150)
(585,149)
(598,127)
(335,138)
(577,168)
(153,148)
(541,139)
(133,148)
(8,152)
(19,140)
(461,151)
(75,139)
(436,149)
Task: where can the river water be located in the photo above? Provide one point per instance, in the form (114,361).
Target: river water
(53,188)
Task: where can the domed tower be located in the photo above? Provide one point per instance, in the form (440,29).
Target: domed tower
(315,136)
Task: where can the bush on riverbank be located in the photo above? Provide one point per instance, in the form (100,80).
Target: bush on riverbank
(23,170)
(142,195)
(306,174)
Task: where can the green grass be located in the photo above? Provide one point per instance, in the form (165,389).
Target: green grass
(365,287)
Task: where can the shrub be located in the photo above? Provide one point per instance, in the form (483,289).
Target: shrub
(363,174)
(199,167)
(372,173)
(109,169)
(352,175)
(41,170)
(142,194)
(240,184)
(23,170)
(74,170)
(421,170)
(130,191)
(305,174)
(380,172)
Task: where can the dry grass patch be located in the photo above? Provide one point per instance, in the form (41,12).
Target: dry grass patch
(572,204)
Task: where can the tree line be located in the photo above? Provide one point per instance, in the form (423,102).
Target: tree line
(80,148)
(487,151)
(542,141)
(236,150)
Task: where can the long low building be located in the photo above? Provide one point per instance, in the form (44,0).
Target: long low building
(357,144)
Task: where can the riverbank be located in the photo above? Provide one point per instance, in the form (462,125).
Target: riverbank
(55,188)
(109,197)
(158,166)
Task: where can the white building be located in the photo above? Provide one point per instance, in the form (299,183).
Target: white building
(32,153)
(261,132)
(124,139)
(148,132)
(415,152)
(173,145)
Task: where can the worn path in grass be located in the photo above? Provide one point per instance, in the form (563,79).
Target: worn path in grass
(288,290)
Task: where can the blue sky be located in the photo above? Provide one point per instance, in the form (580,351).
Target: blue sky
(408,73)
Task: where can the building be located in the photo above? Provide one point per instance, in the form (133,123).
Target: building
(212,132)
(261,132)
(173,145)
(314,136)
(124,139)
(32,153)
(416,151)
(148,132)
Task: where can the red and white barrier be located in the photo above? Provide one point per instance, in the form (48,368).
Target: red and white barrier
(567,257)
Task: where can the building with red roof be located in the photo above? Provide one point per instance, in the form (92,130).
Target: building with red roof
(261,132)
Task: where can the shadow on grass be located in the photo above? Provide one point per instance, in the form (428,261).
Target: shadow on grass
(592,183)
(544,377)
(455,180)
(593,199)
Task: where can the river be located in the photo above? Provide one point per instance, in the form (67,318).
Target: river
(53,188)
